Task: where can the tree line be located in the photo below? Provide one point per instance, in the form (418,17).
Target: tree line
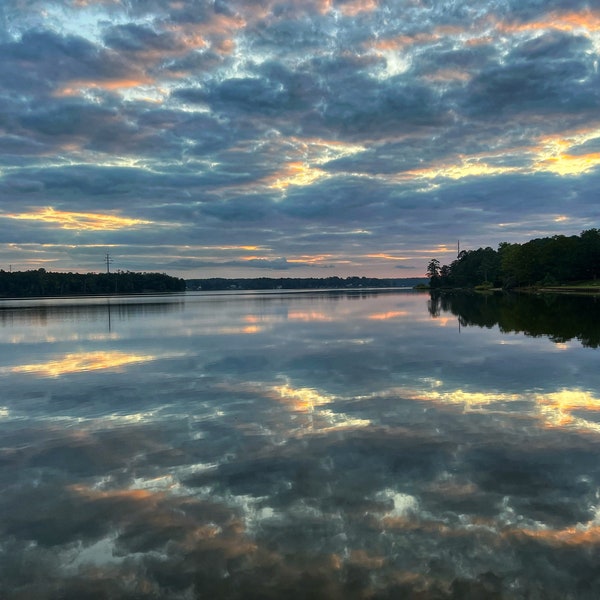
(300,283)
(39,282)
(539,262)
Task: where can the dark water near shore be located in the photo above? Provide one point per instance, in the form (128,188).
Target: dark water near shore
(300,445)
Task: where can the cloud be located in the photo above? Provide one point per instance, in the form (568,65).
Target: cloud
(136,38)
(40,61)
(277,264)
(289,122)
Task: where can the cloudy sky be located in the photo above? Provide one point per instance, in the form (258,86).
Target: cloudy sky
(292,137)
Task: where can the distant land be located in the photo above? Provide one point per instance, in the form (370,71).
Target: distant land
(298,283)
(42,283)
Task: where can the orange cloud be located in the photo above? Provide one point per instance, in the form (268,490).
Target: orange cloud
(587,19)
(296,173)
(553,152)
(81,221)
(355,7)
(479,33)
(218,33)
(76,87)
(387,256)
(311,259)
(567,164)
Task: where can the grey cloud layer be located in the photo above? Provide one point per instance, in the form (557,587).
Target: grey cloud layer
(239,119)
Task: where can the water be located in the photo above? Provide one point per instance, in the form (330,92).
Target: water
(301,445)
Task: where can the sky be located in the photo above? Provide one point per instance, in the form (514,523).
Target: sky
(296,138)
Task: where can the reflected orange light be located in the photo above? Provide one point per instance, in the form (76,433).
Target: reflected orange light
(308,316)
(234,330)
(445,321)
(83,361)
(251,329)
(557,409)
(554,410)
(301,399)
(75,220)
(318,419)
(137,495)
(582,534)
(388,315)
(364,559)
(465,398)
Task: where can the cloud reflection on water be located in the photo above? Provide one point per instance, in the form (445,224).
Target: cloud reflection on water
(81,361)
(329,455)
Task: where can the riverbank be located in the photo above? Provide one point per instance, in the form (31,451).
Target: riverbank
(569,289)
(583,289)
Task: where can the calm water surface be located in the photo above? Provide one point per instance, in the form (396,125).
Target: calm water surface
(300,445)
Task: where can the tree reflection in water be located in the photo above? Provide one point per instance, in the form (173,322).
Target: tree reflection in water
(559,317)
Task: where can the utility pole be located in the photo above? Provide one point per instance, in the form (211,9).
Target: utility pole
(108,260)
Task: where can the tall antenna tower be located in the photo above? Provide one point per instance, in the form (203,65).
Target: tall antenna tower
(107,260)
